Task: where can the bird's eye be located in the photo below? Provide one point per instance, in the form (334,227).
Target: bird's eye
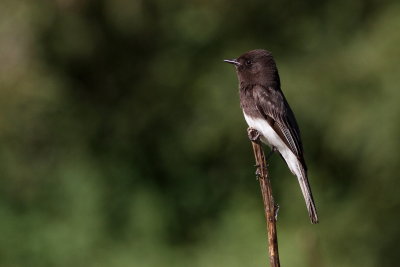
(248,62)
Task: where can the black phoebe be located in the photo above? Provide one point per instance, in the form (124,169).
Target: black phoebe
(265,109)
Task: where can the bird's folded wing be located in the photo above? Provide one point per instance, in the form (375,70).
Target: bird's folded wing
(273,106)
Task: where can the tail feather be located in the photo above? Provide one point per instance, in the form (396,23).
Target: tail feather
(308,197)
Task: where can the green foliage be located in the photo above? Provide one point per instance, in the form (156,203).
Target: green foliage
(123,144)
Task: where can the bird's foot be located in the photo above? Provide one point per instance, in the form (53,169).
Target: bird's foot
(253,134)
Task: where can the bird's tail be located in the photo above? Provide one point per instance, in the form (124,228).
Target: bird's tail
(308,197)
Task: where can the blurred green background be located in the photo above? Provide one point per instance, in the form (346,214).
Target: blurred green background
(122,142)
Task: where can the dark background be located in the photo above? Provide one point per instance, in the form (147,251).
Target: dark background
(122,142)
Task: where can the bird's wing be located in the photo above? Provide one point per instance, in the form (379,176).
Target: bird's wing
(274,108)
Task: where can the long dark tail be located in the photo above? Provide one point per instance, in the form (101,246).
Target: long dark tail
(308,197)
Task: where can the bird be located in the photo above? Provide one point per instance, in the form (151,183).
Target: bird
(266,109)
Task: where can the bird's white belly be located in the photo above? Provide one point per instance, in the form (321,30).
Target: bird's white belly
(271,138)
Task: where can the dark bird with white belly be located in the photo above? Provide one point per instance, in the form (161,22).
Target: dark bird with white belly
(265,109)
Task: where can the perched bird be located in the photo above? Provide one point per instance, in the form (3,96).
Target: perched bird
(265,109)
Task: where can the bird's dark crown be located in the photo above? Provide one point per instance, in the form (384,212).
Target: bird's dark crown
(257,67)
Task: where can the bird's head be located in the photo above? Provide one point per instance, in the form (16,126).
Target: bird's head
(255,67)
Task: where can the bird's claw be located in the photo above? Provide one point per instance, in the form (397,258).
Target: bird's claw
(253,134)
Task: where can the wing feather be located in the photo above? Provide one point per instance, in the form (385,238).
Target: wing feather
(272,104)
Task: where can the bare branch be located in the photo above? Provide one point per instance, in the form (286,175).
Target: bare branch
(270,208)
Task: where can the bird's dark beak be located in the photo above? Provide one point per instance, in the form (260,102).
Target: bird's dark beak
(232,61)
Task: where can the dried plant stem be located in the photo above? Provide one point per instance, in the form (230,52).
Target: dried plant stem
(269,206)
